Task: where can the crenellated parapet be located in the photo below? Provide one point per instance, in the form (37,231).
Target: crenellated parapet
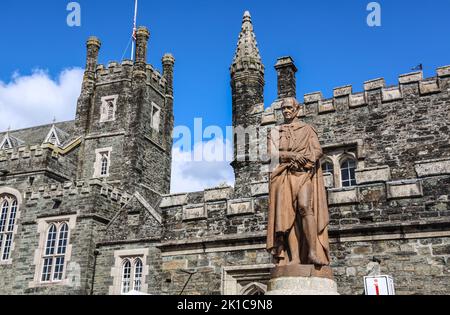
(411,85)
(115,72)
(92,188)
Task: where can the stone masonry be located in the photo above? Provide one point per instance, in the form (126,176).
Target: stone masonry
(107,177)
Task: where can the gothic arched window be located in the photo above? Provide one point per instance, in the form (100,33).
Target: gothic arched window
(55,252)
(132,273)
(104,165)
(8,213)
(348,167)
(138,274)
(110,111)
(327,167)
(126,276)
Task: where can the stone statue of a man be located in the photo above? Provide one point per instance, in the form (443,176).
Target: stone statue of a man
(298,212)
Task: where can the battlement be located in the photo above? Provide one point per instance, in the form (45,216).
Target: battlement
(410,85)
(195,204)
(124,71)
(27,152)
(425,87)
(78,188)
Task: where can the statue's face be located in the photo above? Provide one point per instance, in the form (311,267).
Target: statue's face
(290,111)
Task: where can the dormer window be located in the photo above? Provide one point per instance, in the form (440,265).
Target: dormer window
(52,137)
(108,108)
(6,143)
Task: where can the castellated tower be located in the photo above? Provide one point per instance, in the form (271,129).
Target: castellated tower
(125,114)
(247,84)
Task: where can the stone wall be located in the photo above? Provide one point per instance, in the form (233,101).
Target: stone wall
(89,206)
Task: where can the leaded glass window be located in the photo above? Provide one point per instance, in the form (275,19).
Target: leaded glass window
(348,168)
(8,214)
(55,252)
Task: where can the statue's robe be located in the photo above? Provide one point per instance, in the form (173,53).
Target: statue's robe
(285,183)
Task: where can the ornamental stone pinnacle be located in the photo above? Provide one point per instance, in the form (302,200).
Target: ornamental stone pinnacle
(247,52)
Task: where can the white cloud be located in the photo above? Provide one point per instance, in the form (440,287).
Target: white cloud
(36,99)
(189,175)
(32,100)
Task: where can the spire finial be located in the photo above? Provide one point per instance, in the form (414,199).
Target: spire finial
(247,46)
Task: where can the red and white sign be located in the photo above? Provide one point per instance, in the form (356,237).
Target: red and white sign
(379,285)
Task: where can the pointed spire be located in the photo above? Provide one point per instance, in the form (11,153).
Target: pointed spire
(247,47)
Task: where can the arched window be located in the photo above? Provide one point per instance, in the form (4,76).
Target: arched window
(104,166)
(55,252)
(254,288)
(327,167)
(126,276)
(8,213)
(61,252)
(348,167)
(110,110)
(132,273)
(138,274)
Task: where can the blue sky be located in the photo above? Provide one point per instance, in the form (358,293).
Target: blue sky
(329,41)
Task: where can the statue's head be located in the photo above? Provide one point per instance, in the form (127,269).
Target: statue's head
(290,108)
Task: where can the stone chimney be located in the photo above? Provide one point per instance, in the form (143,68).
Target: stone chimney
(286,70)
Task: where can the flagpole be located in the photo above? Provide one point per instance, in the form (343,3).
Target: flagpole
(134,29)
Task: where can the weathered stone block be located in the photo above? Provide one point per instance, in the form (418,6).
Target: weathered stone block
(194,212)
(342,91)
(240,207)
(326,106)
(443,71)
(404,189)
(268,119)
(410,77)
(391,94)
(428,87)
(173,200)
(339,196)
(433,167)
(356,100)
(313,97)
(329,180)
(218,193)
(372,193)
(260,189)
(175,264)
(374,84)
(373,174)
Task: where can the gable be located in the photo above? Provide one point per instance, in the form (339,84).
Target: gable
(135,220)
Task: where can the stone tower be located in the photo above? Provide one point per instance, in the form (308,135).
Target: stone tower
(247,84)
(125,117)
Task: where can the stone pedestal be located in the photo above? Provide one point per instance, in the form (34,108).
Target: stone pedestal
(302,280)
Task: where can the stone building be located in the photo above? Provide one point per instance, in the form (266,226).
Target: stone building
(85,205)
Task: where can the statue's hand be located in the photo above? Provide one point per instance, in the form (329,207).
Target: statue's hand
(287,157)
(300,160)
